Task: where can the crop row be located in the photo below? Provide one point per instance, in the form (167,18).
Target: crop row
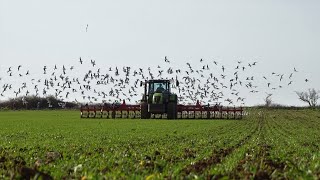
(266,144)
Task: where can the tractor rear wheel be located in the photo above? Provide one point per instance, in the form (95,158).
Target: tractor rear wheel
(144,111)
(172,110)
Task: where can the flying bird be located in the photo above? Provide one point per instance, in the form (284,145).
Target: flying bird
(290,76)
(166,60)
(93,63)
(44,69)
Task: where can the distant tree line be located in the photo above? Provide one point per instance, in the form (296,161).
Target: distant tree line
(35,102)
(51,102)
(311,96)
(284,107)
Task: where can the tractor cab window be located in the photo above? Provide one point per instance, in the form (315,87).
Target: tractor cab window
(158,87)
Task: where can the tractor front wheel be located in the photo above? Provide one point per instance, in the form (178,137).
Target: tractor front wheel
(144,111)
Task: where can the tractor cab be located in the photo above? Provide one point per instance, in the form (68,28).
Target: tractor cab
(159,86)
(158,99)
(158,91)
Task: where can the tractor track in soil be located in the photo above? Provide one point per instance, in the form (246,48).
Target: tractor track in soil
(258,156)
(19,167)
(217,156)
(288,133)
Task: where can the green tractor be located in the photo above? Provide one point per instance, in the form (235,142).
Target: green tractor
(158,99)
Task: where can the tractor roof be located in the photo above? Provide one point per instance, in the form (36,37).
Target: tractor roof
(158,80)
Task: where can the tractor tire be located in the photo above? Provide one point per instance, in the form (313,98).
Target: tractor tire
(144,111)
(172,110)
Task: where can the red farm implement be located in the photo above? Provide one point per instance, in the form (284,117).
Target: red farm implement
(196,111)
(159,102)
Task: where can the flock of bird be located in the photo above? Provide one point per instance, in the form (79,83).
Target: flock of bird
(208,81)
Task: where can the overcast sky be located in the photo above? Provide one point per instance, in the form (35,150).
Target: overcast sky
(278,34)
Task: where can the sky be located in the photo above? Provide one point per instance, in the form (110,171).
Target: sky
(279,34)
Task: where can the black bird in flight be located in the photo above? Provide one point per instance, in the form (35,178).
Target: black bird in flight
(80,60)
(290,76)
(93,63)
(166,60)
(44,69)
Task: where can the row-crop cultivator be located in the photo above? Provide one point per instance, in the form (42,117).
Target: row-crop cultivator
(159,102)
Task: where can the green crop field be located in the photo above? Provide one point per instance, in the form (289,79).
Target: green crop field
(58,144)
